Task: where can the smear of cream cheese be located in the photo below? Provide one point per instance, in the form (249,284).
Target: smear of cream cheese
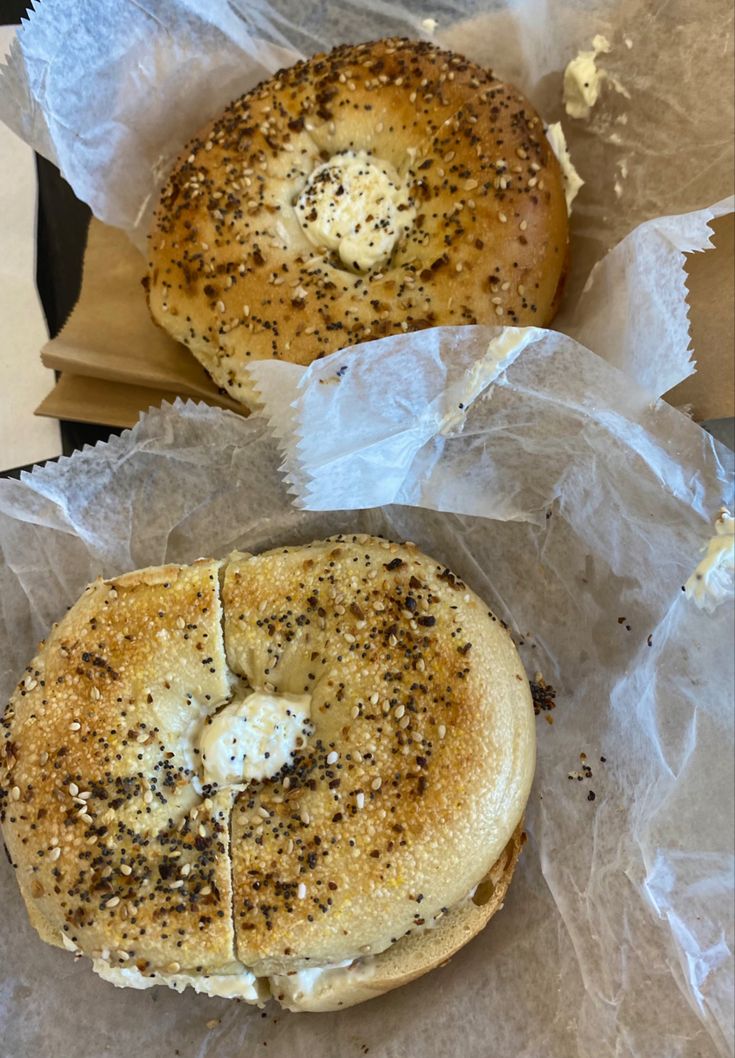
(572,180)
(582,79)
(714,578)
(243,985)
(500,354)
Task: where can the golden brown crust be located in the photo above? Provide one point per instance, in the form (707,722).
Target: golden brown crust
(413,955)
(99,813)
(406,793)
(421,759)
(232,274)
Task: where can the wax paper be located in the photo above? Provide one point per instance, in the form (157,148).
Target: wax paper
(111,91)
(616,937)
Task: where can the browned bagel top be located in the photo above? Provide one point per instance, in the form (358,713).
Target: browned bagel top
(234,275)
(401,786)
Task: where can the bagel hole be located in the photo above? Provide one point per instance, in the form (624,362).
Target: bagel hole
(484,893)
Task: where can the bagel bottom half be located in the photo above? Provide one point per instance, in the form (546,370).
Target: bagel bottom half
(408,959)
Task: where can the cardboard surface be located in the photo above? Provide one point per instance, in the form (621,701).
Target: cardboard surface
(95,400)
(110,337)
(711,283)
(110,334)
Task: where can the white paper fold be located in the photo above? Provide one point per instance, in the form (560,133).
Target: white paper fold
(633,309)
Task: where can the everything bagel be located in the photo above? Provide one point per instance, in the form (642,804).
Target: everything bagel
(299,774)
(381,188)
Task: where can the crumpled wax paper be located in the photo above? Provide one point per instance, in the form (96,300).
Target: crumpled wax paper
(578,517)
(112,90)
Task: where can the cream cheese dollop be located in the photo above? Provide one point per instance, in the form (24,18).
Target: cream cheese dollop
(356,206)
(712,580)
(253,737)
(582,79)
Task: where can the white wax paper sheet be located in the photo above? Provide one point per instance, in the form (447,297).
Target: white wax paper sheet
(578,517)
(112,90)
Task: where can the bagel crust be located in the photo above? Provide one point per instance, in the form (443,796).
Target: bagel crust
(235,276)
(404,791)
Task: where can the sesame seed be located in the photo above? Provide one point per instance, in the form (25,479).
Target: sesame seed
(126,869)
(173,967)
(360,799)
(73,789)
(112,902)
(75,725)
(374,697)
(376,783)
(523,225)
(147,797)
(55,853)
(332,757)
(442,730)
(301,891)
(400,710)
(15,793)
(95,694)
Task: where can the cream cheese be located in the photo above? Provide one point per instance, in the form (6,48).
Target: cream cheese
(356,206)
(712,580)
(253,737)
(312,984)
(572,180)
(582,79)
(243,985)
(501,352)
